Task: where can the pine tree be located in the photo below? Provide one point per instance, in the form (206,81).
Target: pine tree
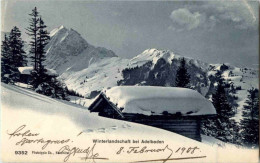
(43,38)
(39,74)
(5,60)
(37,32)
(222,126)
(13,56)
(220,101)
(218,76)
(225,126)
(32,32)
(43,82)
(18,57)
(182,76)
(249,123)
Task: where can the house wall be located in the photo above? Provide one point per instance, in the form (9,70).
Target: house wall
(186,126)
(106,110)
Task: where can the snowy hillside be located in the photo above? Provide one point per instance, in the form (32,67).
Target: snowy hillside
(56,120)
(96,77)
(242,78)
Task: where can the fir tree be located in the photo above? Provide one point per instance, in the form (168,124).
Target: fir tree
(222,126)
(220,101)
(218,76)
(32,32)
(18,57)
(249,123)
(13,56)
(39,73)
(182,76)
(43,82)
(39,39)
(5,60)
(43,38)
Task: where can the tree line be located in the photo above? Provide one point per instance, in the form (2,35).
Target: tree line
(13,56)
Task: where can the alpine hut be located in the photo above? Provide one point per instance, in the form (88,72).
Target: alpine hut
(25,74)
(178,110)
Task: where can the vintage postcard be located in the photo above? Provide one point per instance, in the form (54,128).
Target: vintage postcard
(129,81)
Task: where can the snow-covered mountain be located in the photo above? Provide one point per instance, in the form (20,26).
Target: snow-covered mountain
(158,68)
(154,55)
(67,50)
(85,68)
(148,68)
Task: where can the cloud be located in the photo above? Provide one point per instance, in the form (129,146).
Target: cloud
(239,14)
(183,18)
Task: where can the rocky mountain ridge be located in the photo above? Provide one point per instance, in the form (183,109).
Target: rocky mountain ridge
(68,50)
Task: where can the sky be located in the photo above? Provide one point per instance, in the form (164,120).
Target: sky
(211,31)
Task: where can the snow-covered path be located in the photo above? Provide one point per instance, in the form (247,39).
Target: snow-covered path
(58,120)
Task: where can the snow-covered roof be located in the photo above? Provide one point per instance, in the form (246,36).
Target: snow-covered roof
(150,100)
(27,70)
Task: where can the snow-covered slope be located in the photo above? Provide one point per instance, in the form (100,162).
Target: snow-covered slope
(67,50)
(96,77)
(242,78)
(57,120)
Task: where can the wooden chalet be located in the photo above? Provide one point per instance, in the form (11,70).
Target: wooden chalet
(132,103)
(25,74)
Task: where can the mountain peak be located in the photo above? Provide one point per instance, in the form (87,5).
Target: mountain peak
(56,30)
(61,27)
(150,50)
(153,55)
(68,49)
